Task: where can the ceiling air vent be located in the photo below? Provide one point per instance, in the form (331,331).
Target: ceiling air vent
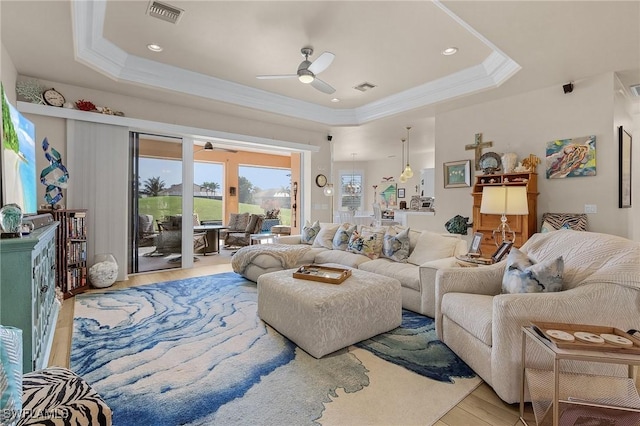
(364,86)
(635,90)
(164,11)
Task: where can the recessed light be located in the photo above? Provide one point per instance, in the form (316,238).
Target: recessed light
(154,47)
(334,100)
(450,51)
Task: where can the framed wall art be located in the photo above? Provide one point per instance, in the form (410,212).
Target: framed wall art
(457,174)
(571,157)
(400,192)
(624,168)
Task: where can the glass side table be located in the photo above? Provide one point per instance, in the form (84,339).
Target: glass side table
(561,398)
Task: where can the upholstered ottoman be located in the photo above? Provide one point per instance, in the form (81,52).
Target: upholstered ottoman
(322,318)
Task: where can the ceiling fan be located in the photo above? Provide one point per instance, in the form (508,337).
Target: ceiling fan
(208,146)
(308,70)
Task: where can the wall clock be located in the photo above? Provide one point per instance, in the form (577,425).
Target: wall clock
(53,97)
(321,180)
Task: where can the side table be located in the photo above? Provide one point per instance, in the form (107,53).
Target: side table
(261,238)
(581,397)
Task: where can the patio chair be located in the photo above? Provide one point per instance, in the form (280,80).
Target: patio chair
(243,238)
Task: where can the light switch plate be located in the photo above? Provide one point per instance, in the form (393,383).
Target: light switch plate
(590,208)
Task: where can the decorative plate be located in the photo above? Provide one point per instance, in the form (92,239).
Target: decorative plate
(490,162)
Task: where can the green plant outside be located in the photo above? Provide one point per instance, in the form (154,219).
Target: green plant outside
(207,209)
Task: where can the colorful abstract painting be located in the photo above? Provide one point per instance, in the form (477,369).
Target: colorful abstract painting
(388,195)
(571,157)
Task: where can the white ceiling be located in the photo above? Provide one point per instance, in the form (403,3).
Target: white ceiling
(212,55)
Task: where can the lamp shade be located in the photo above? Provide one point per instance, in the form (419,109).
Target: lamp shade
(511,200)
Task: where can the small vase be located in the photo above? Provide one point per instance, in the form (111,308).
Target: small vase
(509,162)
(11,219)
(104,271)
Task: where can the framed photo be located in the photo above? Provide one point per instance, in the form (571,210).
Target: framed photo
(502,251)
(457,174)
(624,166)
(400,192)
(474,250)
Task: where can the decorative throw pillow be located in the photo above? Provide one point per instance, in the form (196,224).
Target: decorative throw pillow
(309,232)
(396,245)
(342,236)
(547,227)
(414,236)
(238,222)
(432,246)
(10,374)
(523,275)
(326,234)
(367,242)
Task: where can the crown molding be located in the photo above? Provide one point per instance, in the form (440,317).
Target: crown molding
(93,50)
(136,124)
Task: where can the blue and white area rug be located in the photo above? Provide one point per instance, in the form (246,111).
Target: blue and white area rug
(194,352)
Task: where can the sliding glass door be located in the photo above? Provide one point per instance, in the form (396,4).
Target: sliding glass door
(155,203)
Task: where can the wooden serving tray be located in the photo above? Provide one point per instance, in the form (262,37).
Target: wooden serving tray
(595,329)
(325,274)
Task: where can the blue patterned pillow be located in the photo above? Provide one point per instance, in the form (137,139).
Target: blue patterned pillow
(342,236)
(396,245)
(309,232)
(10,375)
(523,275)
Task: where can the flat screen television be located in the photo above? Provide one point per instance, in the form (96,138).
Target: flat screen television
(18,159)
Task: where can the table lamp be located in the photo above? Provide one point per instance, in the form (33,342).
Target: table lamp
(504,200)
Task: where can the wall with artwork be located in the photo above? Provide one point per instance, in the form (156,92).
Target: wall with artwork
(525,124)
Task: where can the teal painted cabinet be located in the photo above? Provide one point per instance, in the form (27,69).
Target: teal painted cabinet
(27,292)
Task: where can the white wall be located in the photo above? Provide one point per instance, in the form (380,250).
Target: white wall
(524,124)
(8,74)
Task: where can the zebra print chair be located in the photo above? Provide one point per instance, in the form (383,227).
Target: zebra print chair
(53,396)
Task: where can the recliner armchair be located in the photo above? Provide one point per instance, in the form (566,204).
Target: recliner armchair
(601,286)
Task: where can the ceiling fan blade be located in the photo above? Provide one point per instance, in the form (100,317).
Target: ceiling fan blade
(273,77)
(321,63)
(217,148)
(322,86)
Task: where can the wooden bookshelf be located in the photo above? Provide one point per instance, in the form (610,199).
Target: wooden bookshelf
(71,251)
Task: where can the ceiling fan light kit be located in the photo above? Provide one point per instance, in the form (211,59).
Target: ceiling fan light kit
(308,71)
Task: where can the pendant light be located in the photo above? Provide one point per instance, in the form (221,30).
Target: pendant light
(408,173)
(328,188)
(402,178)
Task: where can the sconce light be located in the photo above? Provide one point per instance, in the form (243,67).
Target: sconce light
(232,191)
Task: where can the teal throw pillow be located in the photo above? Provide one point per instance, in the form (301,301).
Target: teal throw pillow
(342,236)
(395,246)
(10,375)
(309,232)
(523,275)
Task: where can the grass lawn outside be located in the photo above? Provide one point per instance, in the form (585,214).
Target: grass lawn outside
(207,209)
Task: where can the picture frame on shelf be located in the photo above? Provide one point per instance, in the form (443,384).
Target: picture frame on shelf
(474,249)
(457,174)
(400,192)
(502,251)
(624,168)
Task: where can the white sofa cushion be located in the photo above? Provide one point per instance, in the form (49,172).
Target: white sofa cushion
(325,235)
(352,260)
(432,246)
(472,312)
(406,273)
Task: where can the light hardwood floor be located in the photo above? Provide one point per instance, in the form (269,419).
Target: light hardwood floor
(481,407)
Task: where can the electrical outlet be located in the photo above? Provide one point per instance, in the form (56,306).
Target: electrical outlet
(590,208)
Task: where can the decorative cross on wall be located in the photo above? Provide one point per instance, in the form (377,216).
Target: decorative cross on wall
(477,146)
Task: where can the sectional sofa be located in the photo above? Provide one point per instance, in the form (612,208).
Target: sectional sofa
(412,256)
